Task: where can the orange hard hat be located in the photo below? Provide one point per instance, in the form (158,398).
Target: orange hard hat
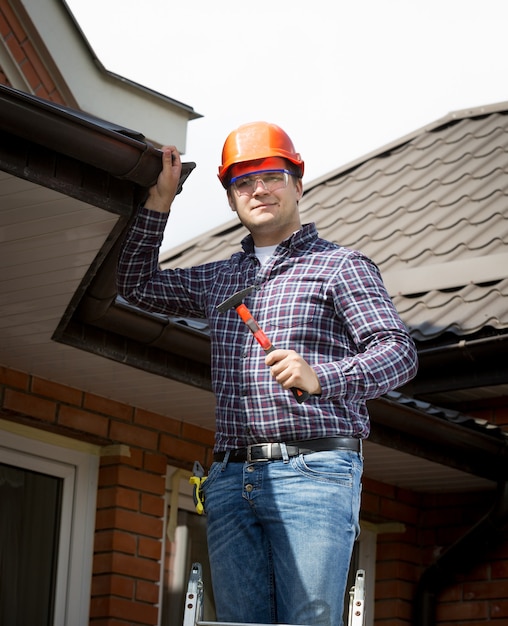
(257,140)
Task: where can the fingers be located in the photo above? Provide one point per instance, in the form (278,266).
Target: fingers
(171,157)
(291,370)
(162,194)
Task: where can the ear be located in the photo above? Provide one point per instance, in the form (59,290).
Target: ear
(231,201)
(299,189)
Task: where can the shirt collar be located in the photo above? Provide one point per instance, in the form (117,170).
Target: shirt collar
(297,241)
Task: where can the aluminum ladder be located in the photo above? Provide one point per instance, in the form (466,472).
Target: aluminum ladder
(193,613)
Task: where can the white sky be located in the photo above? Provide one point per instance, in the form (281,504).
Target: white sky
(343,78)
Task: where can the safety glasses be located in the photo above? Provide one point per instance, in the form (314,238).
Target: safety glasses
(271,180)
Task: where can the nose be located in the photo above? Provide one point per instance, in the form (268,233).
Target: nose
(257,182)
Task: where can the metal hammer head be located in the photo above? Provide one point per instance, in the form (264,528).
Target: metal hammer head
(235,300)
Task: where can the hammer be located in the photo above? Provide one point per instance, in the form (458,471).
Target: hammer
(236,302)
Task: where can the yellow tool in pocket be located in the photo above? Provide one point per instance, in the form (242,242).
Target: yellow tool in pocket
(197,479)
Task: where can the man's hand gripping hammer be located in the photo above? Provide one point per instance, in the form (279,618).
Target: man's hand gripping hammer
(236,302)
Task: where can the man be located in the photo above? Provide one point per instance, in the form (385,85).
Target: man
(282,497)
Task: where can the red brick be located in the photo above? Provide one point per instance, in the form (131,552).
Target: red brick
(108,407)
(13,378)
(394,589)
(83,421)
(12,19)
(137,567)
(133,435)
(39,68)
(118,497)
(182,450)
(155,463)
(116,541)
(133,478)
(126,565)
(120,519)
(134,612)
(5,28)
(31,75)
(499,569)
(396,510)
(16,50)
(392,610)
(149,548)
(387,570)
(370,503)
(133,458)
(55,96)
(485,590)
(56,391)
(28,404)
(157,422)
(499,609)
(200,435)
(144,481)
(460,611)
(109,622)
(152,505)
(147,592)
(108,584)
(381,489)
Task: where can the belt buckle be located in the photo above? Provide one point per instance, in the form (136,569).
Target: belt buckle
(257,445)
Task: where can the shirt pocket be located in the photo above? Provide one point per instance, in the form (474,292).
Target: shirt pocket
(294,302)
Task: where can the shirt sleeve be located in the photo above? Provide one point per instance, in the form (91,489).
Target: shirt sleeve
(142,283)
(386,356)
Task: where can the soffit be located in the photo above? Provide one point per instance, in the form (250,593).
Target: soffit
(48,243)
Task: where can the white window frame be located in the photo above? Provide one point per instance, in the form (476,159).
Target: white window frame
(77,465)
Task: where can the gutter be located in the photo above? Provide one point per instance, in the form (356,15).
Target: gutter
(467,551)
(446,437)
(464,364)
(119,151)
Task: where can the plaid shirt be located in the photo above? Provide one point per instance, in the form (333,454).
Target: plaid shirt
(325,301)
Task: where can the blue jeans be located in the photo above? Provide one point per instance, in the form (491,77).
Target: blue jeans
(280,537)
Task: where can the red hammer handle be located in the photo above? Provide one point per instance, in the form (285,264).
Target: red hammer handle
(266,344)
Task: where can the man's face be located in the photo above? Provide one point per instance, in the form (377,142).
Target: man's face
(265,198)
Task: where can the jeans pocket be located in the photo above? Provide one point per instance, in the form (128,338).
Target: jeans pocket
(214,472)
(331,466)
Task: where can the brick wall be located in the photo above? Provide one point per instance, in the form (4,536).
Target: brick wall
(398,554)
(477,591)
(130,510)
(27,58)
(130,501)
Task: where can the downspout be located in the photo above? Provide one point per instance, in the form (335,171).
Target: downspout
(468,549)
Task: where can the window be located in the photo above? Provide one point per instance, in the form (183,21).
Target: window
(47,514)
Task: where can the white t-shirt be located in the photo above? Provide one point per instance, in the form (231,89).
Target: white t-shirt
(264,253)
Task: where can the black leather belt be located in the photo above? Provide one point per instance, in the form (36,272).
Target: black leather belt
(274,452)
